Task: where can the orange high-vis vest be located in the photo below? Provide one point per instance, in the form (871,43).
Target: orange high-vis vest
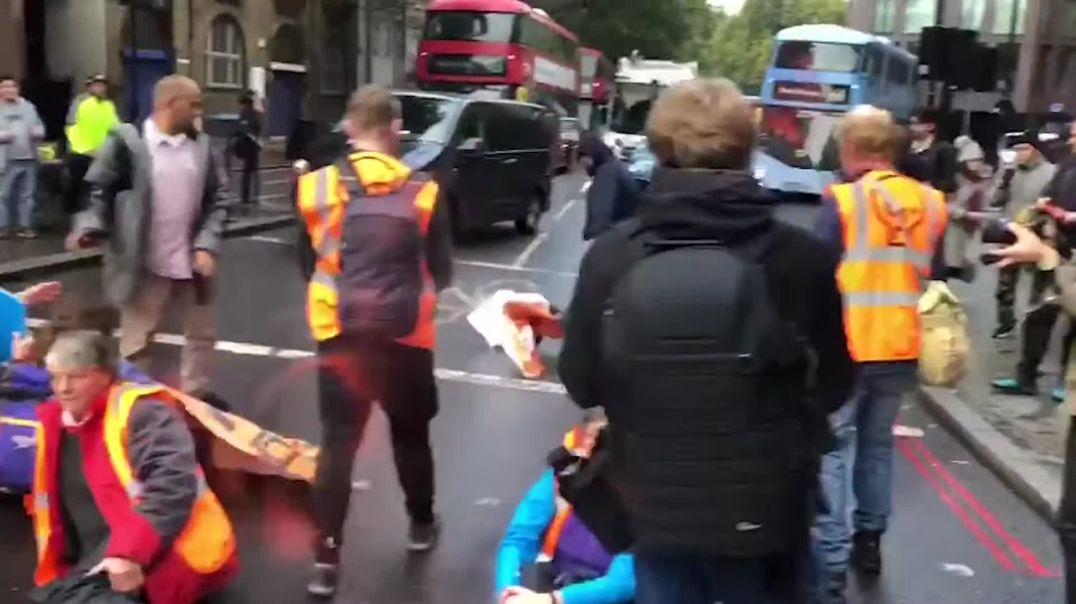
(323,197)
(205,545)
(564,509)
(891,224)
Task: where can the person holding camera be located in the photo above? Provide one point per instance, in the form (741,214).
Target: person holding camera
(1057,262)
(1022,183)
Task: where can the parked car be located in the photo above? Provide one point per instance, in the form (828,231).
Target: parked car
(567,150)
(491,157)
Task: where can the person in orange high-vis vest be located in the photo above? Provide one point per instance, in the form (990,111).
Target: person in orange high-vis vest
(886,226)
(119,504)
(382,251)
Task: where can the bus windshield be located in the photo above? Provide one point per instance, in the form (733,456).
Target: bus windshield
(633,119)
(470,26)
(799,138)
(818,56)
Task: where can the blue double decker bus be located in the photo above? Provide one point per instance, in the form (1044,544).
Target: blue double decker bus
(817,73)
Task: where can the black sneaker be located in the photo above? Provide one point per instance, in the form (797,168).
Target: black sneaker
(424,537)
(323,583)
(867,553)
(834,586)
(1004,333)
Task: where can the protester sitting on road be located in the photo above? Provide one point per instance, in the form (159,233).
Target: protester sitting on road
(161,249)
(694,325)
(1060,264)
(613,192)
(108,525)
(549,555)
(885,260)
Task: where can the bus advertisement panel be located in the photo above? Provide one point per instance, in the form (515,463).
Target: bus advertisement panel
(817,73)
(501,46)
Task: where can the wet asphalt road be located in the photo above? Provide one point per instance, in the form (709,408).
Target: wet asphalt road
(958,536)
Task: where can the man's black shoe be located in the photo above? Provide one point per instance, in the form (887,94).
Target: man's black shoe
(424,536)
(867,553)
(323,583)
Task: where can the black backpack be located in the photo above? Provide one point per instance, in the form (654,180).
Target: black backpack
(708,410)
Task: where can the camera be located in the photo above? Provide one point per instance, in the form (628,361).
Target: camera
(1047,222)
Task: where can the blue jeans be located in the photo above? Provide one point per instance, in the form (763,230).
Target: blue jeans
(695,579)
(862,463)
(18,184)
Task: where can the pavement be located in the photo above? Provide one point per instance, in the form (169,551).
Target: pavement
(958,533)
(22,257)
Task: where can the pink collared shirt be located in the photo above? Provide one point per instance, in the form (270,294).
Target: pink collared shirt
(177,194)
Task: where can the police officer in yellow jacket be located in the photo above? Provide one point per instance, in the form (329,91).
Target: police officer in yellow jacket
(91,117)
(383,251)
(885,226)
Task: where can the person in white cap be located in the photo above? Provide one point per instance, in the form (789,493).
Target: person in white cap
(965,210)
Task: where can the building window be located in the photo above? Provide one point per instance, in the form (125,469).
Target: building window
(224,54)
(885,16)
(973,13)
(1004,13)
(918,14)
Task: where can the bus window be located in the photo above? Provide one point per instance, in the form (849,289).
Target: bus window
(898,72)
(469,26)
(873,58)
(799,138)
(818,56)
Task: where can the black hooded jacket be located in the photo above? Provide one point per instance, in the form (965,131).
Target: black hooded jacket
(613,193)
(730,206)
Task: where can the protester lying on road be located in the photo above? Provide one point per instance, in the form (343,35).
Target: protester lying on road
(549,555)
(108,525)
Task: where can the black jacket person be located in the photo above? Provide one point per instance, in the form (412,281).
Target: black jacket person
(612,193)
(668,478)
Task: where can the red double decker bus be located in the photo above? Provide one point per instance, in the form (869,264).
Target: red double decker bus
(597,85)
(503,46)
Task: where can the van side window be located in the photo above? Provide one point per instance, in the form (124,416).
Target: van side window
(502,130)
(470,125)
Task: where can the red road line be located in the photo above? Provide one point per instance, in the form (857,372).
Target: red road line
(973,527)
(1025,555)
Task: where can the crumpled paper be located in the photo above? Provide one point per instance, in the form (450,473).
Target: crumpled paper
(516,322)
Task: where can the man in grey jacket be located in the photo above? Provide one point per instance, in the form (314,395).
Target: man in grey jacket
(20,130)
(157,196)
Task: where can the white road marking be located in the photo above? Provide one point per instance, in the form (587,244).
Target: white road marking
(520,269)
(563,211)
(532,247)
(447,375)
(585,187)
(268,239)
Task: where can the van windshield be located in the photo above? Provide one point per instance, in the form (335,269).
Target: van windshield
(428,119)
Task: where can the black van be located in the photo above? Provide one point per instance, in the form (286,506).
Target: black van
(492,158)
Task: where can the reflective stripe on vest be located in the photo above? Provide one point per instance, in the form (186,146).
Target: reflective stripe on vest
(318,191)
(887,261)
(207,541)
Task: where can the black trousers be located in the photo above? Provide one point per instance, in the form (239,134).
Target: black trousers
(1008,281)
(75,189)
(352,374)
(1035,340)
(1066,514)
(249,181)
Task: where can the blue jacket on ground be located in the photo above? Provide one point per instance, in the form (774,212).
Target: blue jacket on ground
(523,541)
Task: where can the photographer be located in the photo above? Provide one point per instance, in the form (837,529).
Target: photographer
(1030,249)
(1022,183)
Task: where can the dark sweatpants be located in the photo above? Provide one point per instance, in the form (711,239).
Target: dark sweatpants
(352,374)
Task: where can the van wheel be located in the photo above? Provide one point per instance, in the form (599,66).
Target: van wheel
(528,224)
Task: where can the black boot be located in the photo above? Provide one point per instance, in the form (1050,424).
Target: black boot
(326,569)
(867,552)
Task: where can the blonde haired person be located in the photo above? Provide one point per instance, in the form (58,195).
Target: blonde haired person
(704,206)
(885,226)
